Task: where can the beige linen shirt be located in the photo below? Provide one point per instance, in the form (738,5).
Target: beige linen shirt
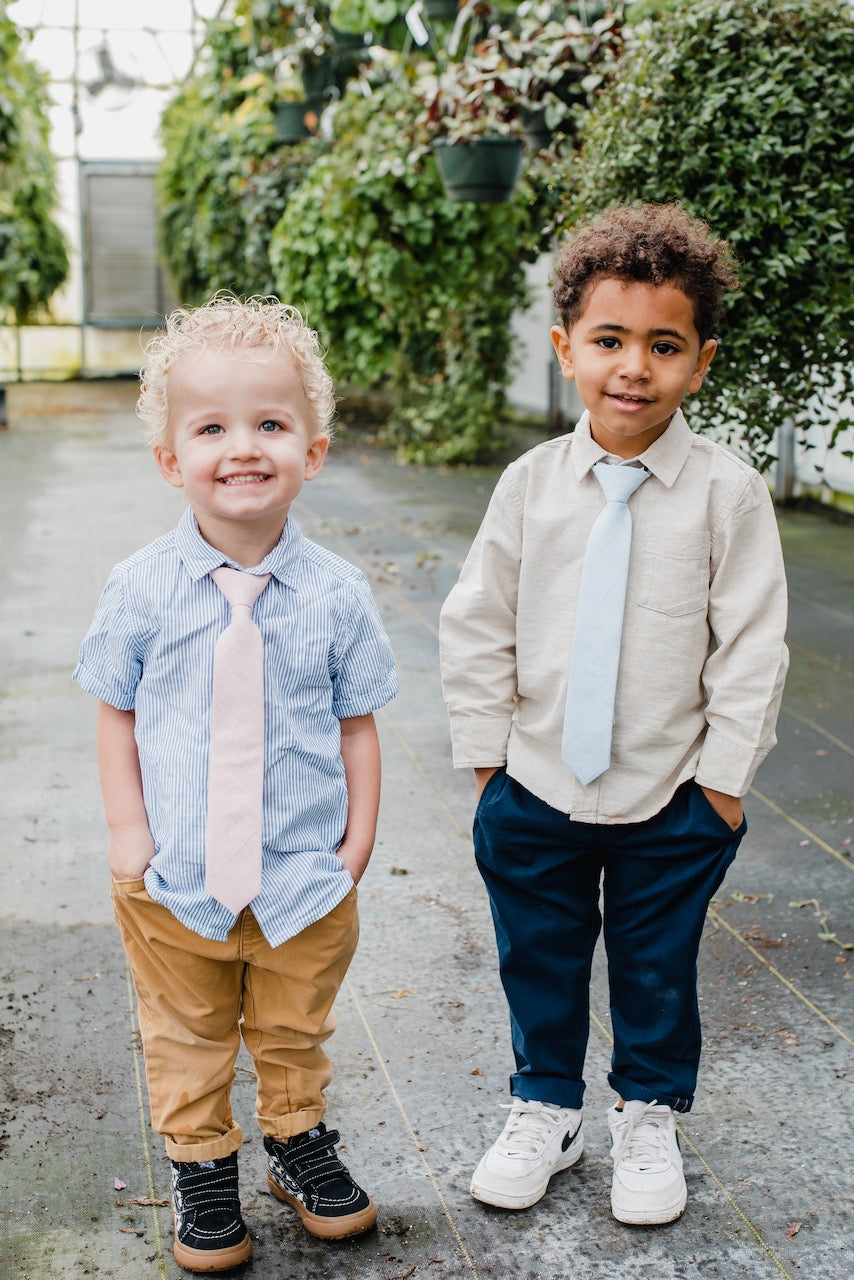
(703,657)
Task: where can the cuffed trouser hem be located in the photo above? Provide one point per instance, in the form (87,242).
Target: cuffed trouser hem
(561,1093)
(214,1149)
(284,1127)
(631,1092)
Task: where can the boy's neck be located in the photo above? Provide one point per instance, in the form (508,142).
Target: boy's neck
(245,544)
(626,447)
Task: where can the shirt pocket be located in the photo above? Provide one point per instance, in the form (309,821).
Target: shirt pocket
(674,572)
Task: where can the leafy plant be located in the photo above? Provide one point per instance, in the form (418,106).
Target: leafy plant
(561,57)
(32,247)
(475,97)
(222,182)
(361,16)
(408,290)
(743,113)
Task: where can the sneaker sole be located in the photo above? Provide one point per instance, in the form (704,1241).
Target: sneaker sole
(206,1260)
(500,1200)
(353,1224)
(650,1217)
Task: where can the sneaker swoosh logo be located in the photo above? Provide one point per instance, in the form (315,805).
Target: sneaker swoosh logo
(569,1138)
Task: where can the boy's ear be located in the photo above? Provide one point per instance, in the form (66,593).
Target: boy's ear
(315,456)
(560,341)
(701,368)
(167,464)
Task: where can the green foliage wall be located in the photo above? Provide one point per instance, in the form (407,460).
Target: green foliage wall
(405,286)
(743,112)
(33,254)
(222,183)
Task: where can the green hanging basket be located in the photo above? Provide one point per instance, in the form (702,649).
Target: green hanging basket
(317,76)
(484,170)
(441,10)
(537,131)
(297,120)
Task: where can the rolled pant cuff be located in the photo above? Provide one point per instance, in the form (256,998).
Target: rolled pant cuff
(284,1127)
(560,1093)
(214,1149)
(631,1092)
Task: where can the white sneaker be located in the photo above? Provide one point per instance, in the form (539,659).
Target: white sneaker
(538,1140)
(649,1185)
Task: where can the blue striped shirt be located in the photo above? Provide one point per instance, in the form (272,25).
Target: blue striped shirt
(326,657)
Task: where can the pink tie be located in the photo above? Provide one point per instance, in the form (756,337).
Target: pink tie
(236,770)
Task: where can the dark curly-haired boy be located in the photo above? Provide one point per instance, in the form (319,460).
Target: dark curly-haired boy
(613,662)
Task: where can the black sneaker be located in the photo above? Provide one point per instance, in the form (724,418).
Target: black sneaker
(210,1234)
(306,1173)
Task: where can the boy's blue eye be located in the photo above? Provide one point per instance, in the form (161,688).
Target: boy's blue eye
(212,429)
(270,426)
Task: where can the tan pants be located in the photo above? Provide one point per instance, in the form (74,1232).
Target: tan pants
(195,999)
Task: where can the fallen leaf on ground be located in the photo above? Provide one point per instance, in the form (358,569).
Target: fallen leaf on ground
(792,1229)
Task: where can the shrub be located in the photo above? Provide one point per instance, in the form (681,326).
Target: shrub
(223,183)
(407,288)
(32,247)
(743,113)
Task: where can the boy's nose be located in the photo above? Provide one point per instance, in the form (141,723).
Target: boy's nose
(635,365)
(244,442)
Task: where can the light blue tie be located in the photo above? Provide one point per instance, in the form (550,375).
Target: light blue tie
(589,718)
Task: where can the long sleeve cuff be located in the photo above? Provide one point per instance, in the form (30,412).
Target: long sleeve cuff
(479,742)
(728,766)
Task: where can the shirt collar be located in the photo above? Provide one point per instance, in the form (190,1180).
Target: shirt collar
(199,557)
(665,458)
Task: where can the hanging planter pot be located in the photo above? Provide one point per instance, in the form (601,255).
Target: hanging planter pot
(484,170)
(297,120)
(537,131)
(347,41)
(317,76)
(441,10)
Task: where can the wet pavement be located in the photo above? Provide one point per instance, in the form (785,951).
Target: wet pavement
(421,1052)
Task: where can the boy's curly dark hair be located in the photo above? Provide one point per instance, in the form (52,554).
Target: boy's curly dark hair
(651,243)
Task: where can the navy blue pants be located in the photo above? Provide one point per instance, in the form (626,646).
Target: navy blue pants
(543,871)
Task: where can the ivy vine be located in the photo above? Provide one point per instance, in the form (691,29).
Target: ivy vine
(33,250)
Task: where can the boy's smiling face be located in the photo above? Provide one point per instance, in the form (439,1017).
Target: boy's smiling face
(634,353)
(239,444)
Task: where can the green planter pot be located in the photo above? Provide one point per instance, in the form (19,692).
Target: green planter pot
(297,120)
(441,10)
(347,41)
(317,77)
(485,170)
(537,131)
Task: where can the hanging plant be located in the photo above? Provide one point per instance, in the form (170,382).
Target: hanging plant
(560,59)
(473,118)
(32,248)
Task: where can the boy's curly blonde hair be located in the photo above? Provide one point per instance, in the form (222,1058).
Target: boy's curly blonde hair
(240,324)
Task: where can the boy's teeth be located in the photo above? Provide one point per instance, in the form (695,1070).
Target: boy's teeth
(242,479)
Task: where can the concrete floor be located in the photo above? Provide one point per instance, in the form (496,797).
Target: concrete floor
(421,1051)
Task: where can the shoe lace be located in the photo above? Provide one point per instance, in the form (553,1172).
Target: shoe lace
(528,1128)
(642,1137)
